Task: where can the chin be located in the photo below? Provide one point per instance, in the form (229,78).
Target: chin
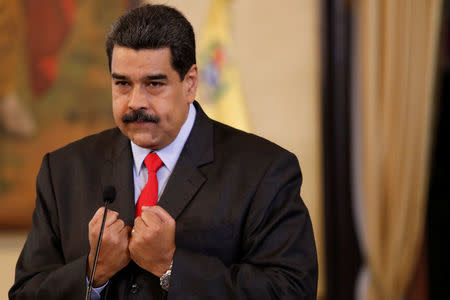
(145,143)
(144,140)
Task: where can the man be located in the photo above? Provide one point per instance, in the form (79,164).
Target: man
(229,221)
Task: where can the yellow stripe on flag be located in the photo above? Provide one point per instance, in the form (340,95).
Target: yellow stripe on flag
(220,90)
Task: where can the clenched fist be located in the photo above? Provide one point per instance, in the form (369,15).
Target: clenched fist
(152,243)
(114,254)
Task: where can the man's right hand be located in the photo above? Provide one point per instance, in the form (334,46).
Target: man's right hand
(114,254)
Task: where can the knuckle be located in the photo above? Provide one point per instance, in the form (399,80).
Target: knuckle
(115,240)
(106,235)
(149,235)
(112,215)
(93,231)
(98,213)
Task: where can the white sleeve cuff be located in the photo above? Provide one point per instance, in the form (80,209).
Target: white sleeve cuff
(95,293)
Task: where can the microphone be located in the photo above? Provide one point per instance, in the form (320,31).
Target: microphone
(109,194)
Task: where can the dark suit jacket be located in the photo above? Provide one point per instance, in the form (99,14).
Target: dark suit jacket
(242,230)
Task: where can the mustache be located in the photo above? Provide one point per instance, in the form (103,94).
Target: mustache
(139,116)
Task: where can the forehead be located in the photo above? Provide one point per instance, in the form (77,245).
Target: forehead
(127,60)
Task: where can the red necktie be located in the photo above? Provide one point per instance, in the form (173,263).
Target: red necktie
(149,194)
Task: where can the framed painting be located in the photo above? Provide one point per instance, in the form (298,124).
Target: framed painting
(54,88)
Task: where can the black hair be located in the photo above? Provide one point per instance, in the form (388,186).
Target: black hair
(155,27)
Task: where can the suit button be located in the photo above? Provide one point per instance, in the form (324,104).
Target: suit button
(134,288)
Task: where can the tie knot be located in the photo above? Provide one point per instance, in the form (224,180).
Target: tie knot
(153,162)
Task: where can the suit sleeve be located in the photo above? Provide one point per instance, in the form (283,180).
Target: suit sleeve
(278,260)
(42,271)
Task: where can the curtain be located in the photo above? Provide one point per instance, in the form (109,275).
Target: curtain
(394,73)
(342,253)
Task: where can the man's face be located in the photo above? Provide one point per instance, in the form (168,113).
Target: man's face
(150,103)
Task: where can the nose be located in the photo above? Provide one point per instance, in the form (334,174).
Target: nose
(138,99)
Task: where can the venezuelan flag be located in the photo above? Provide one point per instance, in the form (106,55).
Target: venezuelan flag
(220,91)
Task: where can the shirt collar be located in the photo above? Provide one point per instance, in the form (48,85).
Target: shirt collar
(169,154)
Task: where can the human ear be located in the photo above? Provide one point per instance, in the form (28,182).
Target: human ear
(190,83)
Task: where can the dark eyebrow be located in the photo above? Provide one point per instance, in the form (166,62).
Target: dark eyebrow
(156,77)
(117,76)
(149,77)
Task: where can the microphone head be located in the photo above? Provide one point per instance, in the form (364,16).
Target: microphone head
(109,194)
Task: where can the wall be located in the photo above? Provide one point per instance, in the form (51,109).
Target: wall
(10,245)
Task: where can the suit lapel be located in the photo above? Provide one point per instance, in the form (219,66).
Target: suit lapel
(182,186)
(186,178)
(119,170)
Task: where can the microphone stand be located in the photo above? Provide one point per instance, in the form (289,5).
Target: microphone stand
(109,195)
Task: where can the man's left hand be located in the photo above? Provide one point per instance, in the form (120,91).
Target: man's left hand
(152,243)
